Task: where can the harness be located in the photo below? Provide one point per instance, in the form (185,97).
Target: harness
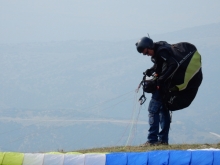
(144,83)
(143,98)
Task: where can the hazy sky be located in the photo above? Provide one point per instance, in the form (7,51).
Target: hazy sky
(58,20)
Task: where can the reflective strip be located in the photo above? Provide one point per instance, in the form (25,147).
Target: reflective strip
(193,67)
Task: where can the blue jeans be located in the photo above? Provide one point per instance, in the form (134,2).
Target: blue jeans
(158,116)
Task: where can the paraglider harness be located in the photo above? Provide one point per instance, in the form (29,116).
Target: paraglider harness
(143,98)
(149,86)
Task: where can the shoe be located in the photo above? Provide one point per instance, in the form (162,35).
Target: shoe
(148,144)
(162,143)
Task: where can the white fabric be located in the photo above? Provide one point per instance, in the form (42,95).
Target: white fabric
(33,159)
(95,159)
(206,149)
(211,149)
(74,159)
(53,159)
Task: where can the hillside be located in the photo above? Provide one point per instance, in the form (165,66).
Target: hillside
(80,94)
(153,148)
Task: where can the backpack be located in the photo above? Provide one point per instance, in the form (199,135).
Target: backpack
(184,82)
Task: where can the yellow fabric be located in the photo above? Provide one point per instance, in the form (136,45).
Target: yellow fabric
(54,153)
(2,154)
(13,158)
(73,153)
(192,69)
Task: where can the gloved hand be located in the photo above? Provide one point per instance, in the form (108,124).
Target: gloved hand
(149,72)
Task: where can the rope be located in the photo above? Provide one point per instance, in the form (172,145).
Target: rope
(31,134)
(132,120)
(135,125)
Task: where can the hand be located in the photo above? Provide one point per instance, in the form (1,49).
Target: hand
(149,72)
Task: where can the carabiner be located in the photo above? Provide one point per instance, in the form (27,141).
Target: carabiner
(142,99)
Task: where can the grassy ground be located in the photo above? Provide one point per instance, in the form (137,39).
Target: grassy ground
(151,148)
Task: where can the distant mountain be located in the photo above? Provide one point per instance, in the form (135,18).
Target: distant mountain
(205,35)
(80,94)
(66,74)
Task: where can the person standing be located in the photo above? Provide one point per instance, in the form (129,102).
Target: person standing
(178,75)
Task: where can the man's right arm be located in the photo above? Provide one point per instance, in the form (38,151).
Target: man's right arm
(150,71)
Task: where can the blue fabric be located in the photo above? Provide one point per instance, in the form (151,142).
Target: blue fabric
(137,158)
(165,157)
(157,96)
(216,160)
(180,157)
(158,158)
(202,158)
(158,117)
(116,159)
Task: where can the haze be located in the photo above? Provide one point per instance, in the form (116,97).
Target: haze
(56,20)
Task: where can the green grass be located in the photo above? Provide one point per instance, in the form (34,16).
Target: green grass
(151,148)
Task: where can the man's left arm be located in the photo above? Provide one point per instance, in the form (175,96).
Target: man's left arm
(170,68)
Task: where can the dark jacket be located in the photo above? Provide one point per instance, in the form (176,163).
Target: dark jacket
(179,73)
(176,64)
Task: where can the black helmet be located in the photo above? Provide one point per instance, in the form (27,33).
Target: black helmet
(143,43)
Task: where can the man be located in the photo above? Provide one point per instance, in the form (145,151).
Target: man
(178,76)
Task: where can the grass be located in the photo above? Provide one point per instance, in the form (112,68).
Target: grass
(151,148)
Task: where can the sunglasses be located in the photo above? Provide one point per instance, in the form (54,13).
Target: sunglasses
(140,49)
